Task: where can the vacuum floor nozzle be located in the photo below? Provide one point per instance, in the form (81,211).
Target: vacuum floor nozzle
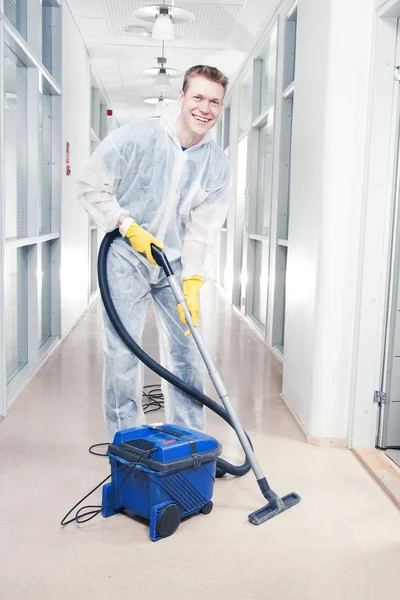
(274,508)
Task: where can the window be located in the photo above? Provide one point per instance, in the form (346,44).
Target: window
(45,154)
(268,73)
(283,212)
(245,103)
(30,195)
(98,131)
(260,281)
(16,321)
(15,11)
(260,102)
(226,126)
(15,144)
(264,178)
(219,132)
(44,292)
(289,67)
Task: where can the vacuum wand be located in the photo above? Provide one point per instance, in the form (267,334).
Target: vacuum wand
(276,504)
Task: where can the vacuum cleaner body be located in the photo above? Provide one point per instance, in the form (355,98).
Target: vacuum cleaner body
(161,473)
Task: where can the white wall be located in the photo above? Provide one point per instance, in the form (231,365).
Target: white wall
(334,47)
(75,130)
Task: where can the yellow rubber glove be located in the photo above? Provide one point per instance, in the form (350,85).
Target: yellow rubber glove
(191,288)
(141,239)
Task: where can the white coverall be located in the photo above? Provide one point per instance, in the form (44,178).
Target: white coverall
(180,197)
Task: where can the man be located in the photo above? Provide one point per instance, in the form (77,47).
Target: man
(161,181)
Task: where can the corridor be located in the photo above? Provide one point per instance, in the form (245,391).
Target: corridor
(340,543)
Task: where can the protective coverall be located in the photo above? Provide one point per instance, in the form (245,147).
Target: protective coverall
(180,197)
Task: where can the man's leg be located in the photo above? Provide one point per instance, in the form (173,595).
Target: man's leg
(123,372)
(180,355)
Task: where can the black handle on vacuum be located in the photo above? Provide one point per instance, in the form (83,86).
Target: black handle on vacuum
(161,259)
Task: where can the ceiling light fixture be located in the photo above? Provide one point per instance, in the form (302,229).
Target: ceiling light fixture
(154,71)
(162,74)
(137,32)
(162,80)
(163,28)
(155,100)
(160,106)
(164,18)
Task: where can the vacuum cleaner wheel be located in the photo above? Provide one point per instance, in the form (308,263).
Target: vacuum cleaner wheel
(207,508)
(168,520)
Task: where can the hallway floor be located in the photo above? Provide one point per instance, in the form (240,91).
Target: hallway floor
(342,542)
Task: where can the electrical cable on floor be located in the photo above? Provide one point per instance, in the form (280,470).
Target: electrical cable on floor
(153,400)
(96,509)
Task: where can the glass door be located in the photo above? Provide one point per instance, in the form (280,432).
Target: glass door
(388,396)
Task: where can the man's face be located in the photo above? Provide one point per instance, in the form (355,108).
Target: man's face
(201,104)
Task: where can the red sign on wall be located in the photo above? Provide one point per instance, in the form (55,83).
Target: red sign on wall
(68,168)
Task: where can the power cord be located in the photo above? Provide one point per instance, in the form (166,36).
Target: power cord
(153,400)
(95,509)
(97,446)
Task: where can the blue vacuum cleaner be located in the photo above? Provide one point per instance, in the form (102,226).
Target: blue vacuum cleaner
(162,473)
(166,473)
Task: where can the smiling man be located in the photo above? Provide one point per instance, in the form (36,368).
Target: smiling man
(162,181)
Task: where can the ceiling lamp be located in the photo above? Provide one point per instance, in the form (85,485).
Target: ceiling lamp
(164,18)
(160,106)
(156,100)
(162,80)
(137,32)
(163,28)
(154,71)
(162,74)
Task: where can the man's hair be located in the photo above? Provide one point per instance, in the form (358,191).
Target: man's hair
(210,73)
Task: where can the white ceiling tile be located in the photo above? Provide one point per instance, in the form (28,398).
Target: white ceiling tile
(87,8)
(194,3)
(100,50)
(243,34)
(230,61)
(252,16)
(106,64)
(109,79)
(93,26)
(264,3)
(117,98)
(137,113)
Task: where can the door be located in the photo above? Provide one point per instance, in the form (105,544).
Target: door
(389,394)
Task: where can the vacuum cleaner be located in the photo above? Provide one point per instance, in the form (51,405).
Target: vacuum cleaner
(164,473)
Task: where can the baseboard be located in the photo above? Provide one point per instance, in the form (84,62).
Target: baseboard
(314,440)
(381,468)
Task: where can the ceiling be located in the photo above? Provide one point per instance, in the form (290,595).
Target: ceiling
(222,34)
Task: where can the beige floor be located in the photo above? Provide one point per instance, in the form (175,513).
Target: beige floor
(341,542)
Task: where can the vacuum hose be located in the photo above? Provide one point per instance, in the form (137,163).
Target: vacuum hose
(223,466)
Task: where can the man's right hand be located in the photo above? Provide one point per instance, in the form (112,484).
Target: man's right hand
(141,241)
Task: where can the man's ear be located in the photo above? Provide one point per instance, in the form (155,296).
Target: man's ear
(180,97)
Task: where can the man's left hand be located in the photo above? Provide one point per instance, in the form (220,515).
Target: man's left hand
(191,288)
